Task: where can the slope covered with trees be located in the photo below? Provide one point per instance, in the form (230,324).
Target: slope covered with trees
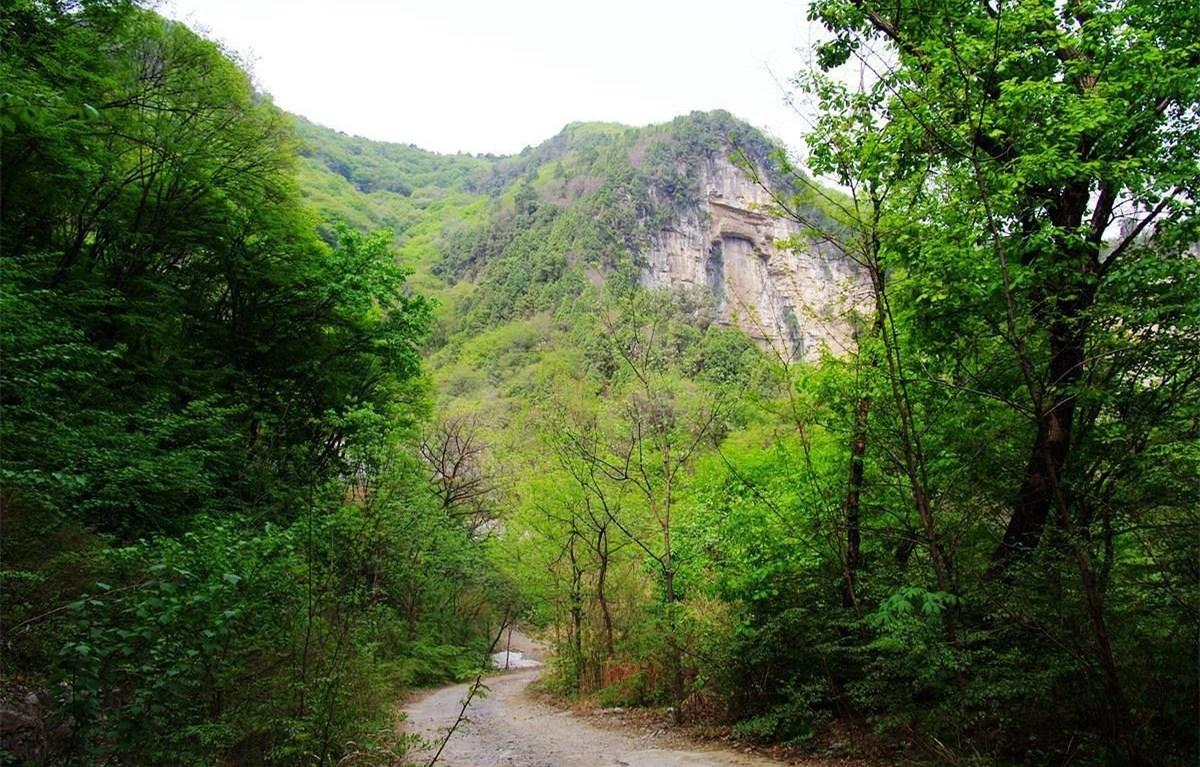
(292,418)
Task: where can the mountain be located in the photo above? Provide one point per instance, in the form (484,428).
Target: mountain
(685,206)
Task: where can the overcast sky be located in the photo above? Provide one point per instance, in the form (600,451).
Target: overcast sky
(464,75)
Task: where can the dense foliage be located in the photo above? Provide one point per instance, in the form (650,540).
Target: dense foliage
(218,542)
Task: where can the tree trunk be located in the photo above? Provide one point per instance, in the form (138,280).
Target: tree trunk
(1119,727)
(676,655)
(576,612)
(858,450)
(601,595)
(1052,443)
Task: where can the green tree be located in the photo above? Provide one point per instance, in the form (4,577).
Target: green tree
(1038,157)
(213,515)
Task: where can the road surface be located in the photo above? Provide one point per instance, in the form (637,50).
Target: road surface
(508,728)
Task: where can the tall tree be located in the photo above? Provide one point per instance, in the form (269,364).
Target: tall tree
(1052,150)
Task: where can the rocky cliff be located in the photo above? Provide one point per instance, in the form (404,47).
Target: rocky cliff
(778,285)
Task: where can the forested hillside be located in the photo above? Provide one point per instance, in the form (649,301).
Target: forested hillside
(904,471)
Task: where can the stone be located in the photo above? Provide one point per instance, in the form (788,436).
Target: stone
(793,301)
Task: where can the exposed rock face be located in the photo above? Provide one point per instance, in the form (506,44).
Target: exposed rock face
(794,301)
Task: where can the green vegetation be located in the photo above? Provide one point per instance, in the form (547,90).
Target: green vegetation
(292,418)
(968,540)
(219,545)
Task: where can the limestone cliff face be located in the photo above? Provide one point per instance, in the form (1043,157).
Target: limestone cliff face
(792,300)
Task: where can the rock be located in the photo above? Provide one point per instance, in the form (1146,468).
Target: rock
(16,721)
(25,732)
(792,301)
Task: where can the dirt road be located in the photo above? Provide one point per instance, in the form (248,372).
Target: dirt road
(510,729)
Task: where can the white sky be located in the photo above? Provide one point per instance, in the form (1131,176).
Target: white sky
(493,76)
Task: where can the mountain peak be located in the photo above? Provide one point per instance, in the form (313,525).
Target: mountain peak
(683,204)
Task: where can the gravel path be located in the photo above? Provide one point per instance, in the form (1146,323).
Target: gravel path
(509,728)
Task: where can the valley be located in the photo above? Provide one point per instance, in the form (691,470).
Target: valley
(877,446)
